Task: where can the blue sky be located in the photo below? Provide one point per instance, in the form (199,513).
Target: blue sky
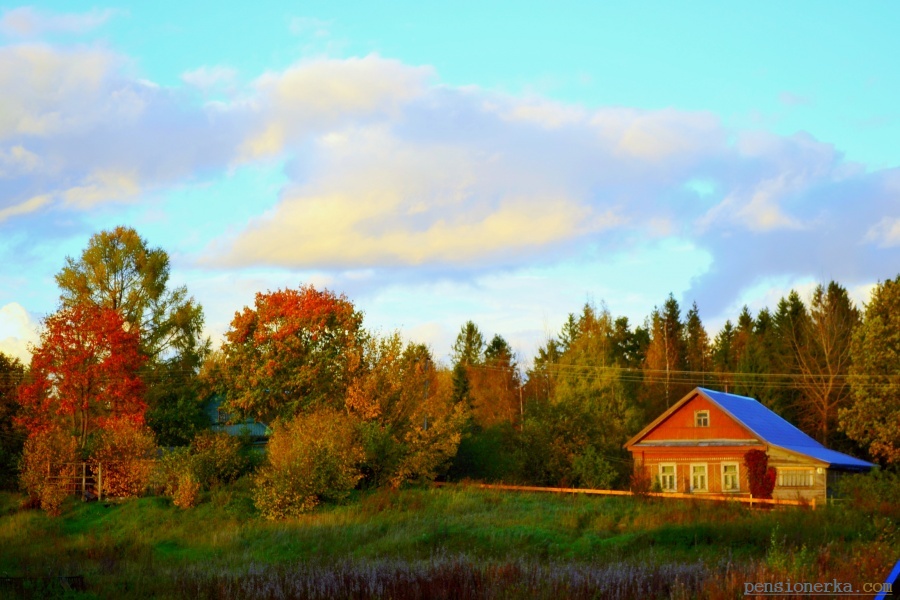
(501,163)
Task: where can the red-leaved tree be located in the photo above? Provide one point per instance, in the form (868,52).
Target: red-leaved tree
(84,374)
(759,474)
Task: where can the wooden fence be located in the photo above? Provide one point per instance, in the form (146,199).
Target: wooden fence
(78,477)
(668,495)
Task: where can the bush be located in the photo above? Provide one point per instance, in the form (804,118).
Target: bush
(52,496)
(218,458)
(490,454)
(759,474)
(187,492)
(43,459)
(640,483)
(311,459)
(872,493)
(592,470)
(382,451)
(126,453)
(170,468)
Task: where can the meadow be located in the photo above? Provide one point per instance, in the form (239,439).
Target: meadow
(426,542)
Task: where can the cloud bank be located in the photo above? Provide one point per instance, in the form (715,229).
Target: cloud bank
(391,171)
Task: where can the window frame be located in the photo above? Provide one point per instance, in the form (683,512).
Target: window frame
(737,477)
(701,418)
(673,474)
(794,472)
(705,487)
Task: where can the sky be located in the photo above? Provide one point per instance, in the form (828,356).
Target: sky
(499,162)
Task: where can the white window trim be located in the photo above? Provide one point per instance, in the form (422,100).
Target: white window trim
(705,477)
(697,418)
(674,488)
(737,474)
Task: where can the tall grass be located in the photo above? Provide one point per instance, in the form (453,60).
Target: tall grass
(485,543)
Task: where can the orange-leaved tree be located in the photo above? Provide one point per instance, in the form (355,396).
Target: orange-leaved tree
(295,351)
(84,374)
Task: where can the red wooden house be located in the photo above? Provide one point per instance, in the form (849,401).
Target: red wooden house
(698,446)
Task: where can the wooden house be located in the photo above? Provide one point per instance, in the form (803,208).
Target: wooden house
(221,420)
(698,446)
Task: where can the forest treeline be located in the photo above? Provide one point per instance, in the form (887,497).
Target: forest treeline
(122,369)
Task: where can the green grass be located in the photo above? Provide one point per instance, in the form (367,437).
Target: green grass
(129,548)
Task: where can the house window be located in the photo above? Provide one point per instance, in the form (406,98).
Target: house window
(222,416)
(731,481)
(698,478)
(795,478)
(701,418)
(667,478)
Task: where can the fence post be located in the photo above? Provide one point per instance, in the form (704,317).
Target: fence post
(99,482)
(83,478)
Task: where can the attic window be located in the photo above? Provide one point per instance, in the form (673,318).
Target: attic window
(701,418)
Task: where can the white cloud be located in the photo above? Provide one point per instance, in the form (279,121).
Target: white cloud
(17,331)
(885,233)
(17,160)
(316,96)
(102,186)
(387,169)
(209,78)
(76,131)
(27,22)
(23,208)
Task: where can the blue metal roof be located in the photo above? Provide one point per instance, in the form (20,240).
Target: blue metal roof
(251,428)
(771,428)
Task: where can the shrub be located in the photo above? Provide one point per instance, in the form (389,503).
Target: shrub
(52,496)
(312,458)
(428,451)
(218,458)
(760,475)
(872,493)
(187,492)
(43,459)
(382,451)
(169,470)
(591,470)
(641,483)
(490,454)
(125,452)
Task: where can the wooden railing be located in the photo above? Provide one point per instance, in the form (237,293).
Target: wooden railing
(669,495)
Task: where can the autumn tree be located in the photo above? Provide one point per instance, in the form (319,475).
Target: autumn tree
(540,384)
(872,418)
(118,270)
(495,385)
(577,437)
(822,351)
(590,382)
(665,358)
(295,351)
(12,437)
(408,425)
(84,374)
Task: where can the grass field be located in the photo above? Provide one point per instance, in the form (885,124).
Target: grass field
(420,543)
